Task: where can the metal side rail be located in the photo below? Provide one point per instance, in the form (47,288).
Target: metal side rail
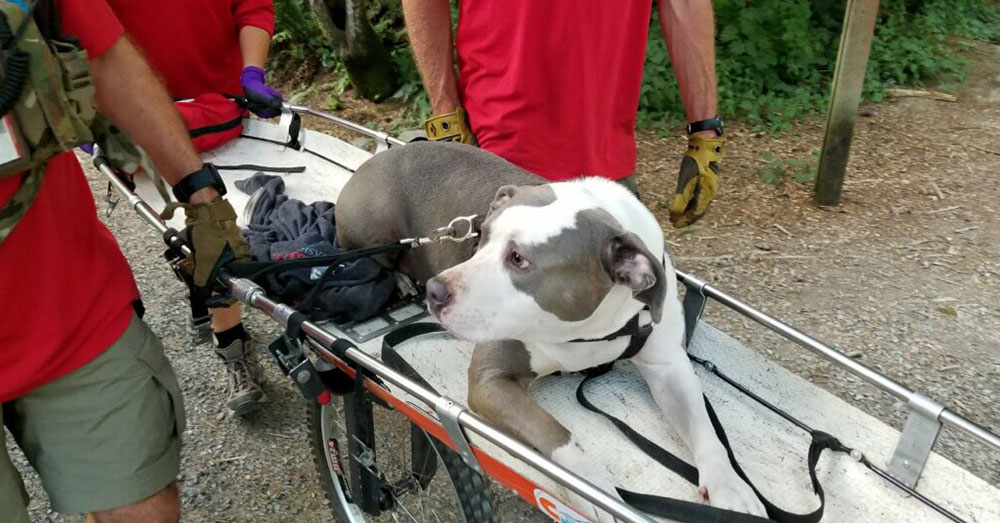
(383,140)
(253,295)
(926,415)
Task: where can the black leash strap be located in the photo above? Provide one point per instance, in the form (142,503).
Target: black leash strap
(822,439)
(262,168)
(660,454)
(688,511)
(254,270)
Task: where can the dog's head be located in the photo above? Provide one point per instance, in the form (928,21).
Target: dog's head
(555,262)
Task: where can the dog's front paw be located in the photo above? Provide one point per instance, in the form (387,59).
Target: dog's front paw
(724,489)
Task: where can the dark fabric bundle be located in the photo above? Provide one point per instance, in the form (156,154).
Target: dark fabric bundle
(281,228)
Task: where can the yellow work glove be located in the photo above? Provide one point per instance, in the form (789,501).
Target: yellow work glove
(450,127)
(698,181)
(213,235)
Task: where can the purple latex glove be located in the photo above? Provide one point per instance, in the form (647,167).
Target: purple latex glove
(88,148)
(264,101)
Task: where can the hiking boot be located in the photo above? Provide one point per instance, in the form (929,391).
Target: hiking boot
(244,376)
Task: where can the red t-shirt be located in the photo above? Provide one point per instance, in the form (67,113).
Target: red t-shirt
(65,288)
(554,86)
(194,44)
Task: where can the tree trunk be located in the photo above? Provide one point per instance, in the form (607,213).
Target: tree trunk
(369,65)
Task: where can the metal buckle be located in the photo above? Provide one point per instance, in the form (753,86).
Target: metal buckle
(693,306)
(448,411)
(915,444)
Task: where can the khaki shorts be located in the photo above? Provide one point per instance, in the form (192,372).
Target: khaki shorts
(103,436)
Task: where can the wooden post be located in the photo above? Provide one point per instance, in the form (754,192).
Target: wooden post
(845,95)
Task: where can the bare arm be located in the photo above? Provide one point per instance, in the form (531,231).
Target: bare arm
(131,96)
(689,30)
(428,24)
(254,44)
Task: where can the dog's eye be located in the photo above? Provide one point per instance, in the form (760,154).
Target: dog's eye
(518,261)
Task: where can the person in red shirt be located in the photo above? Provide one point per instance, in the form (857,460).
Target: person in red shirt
(214,46)
(554,86)
(85,388)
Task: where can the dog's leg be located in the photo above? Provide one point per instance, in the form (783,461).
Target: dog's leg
(499,375)
(677,391)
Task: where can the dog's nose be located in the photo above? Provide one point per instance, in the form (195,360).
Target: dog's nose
(438,294)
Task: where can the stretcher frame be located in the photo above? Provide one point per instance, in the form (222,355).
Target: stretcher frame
(919,434)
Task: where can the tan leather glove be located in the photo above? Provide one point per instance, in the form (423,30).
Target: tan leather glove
(212,234)
(450,127)
(698,181)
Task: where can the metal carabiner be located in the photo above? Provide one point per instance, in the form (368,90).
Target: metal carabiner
(458,230)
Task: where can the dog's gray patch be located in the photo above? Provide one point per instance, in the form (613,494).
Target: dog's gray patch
(506,356)
(499,374)
(529,195)
(567,276)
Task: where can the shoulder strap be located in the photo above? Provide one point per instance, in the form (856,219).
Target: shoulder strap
(19,202)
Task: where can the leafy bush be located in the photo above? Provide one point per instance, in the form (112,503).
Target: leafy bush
(297,34)
(774,58)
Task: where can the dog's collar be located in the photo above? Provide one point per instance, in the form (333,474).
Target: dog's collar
(638,333)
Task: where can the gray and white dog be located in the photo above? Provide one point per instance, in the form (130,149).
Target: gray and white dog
(555,262)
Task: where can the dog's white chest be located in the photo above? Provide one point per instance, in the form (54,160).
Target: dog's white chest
(547,358)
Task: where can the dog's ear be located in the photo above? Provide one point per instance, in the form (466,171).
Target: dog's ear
(503,196)
(630,263)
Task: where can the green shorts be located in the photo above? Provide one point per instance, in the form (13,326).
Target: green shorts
(103,436)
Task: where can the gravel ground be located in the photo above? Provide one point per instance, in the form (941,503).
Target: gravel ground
(904,275)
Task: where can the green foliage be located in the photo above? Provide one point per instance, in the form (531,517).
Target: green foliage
(777,171)
(297,35)
(774,58)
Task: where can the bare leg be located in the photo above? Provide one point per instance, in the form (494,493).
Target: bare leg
(162,507)
(225,318)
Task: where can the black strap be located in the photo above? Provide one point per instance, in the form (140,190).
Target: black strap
(294,127)
(661,455)
(254,270)
(630,328)
(681,510)
(687,511)
(293,328)
(216,128)
(402,334)
(639,336)
(262,168)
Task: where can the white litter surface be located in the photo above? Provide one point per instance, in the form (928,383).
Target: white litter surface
(321,180)
(771,451)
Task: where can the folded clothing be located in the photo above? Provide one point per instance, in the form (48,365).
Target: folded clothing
(282,228)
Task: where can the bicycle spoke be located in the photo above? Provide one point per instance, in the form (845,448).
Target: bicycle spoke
(390,460)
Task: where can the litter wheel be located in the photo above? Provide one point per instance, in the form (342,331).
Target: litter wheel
(375,465)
